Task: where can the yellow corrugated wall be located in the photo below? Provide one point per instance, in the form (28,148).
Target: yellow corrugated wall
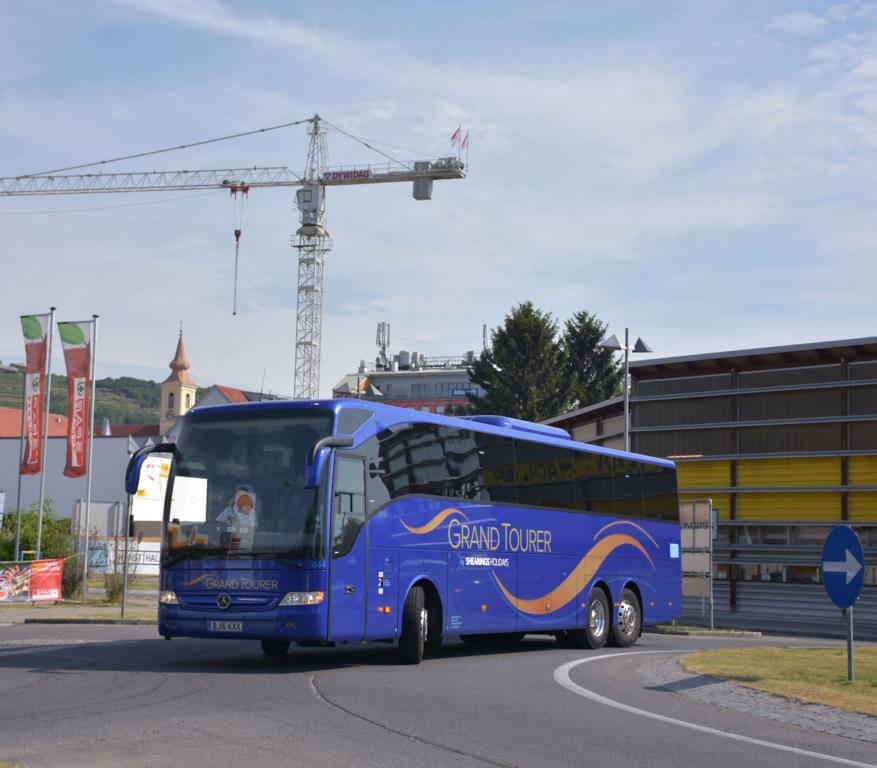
(703,474)
(863,470)
(761,473)
(863,506)
(788,506)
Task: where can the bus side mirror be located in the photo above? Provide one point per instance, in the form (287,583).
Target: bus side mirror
(135,464)
(317,459)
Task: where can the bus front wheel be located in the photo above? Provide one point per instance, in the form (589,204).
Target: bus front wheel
(415,627)
(275,647)
(597,630)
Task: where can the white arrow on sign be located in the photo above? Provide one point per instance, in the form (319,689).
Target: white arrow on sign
(850,566)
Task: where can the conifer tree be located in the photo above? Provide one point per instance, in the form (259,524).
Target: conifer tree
(523,375)
(592,373)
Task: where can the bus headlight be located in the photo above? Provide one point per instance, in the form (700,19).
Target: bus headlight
(301,598)
(168,597)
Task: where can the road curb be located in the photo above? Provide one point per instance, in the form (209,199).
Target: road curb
(704,632)
(89,621)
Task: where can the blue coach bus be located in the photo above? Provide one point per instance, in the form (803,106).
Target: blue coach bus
(343,521)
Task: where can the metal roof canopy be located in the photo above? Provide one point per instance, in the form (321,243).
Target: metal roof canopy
(763,358)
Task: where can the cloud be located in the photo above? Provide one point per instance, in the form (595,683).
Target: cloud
(798,24)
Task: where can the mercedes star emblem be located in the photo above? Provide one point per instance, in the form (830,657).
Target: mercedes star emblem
(223,600)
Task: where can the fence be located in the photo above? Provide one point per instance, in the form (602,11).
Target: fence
(778,607)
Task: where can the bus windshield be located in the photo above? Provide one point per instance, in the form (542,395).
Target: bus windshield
(238,487)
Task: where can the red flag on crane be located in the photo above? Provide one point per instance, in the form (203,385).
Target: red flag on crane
(455,137)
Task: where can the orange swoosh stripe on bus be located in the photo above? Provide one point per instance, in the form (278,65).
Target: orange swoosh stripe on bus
(642,530)
(567,590)
(436,521)
(196,580)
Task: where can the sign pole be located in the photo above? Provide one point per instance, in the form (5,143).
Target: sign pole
(17,553)
(125,562)
(90,436)
(48,401)
(851,674)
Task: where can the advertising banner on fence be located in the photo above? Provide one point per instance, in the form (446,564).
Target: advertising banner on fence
(35,581)
(75,337)
(35,329)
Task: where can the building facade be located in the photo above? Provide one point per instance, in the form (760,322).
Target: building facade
(433,384)
(783,440)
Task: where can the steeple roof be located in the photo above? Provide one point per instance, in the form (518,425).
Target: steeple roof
(179,365)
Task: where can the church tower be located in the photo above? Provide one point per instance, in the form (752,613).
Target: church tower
(177,390)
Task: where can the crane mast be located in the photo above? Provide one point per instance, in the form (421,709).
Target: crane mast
(311,240)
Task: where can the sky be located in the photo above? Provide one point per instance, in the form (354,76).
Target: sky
(701,172)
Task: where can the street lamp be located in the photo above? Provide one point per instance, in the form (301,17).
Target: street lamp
(615,345)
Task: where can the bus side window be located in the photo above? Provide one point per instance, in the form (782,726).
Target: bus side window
(628,489)
(348,503)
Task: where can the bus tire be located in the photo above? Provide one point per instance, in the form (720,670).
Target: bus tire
(415,627)
(275,647)
(628,620)
(596,632)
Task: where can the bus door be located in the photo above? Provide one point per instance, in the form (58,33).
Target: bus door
(347,583)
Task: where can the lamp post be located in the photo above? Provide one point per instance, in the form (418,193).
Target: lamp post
(615,345)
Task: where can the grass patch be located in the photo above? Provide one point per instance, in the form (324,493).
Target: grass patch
(808,675)
(129,614)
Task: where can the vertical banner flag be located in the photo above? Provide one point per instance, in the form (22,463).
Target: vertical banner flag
(35,329)
(75,337)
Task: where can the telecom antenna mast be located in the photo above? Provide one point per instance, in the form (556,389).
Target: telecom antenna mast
(311,240)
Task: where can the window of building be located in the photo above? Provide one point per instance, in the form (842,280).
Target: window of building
(170,403)
(188,401)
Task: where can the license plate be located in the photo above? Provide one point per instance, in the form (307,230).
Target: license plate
(226,626)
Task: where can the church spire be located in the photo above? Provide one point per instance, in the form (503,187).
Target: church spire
(179,365)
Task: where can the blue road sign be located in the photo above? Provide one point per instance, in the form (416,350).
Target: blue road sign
(843,566)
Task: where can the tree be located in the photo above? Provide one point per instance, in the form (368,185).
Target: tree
(591,374)
(56,540)
(523,374)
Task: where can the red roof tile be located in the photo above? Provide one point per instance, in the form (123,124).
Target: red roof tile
(10,423)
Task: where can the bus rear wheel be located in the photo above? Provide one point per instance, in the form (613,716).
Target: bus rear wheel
(275,647)
(627,625)
(415,627)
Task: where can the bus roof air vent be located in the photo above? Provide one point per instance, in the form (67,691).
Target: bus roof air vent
(521,426)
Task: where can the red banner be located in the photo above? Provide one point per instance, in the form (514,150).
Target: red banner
(36,581)
(34,328)
(45,580)
(77,354)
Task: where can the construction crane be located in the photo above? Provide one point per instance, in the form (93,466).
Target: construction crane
(311,240)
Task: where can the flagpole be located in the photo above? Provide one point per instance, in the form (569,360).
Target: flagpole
(90,456)
(45,433)
(16,553)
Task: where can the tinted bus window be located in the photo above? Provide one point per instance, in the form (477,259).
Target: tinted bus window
(496,459)
(593,483)
(348,505)
(627,488)
(414,459)
(659,493)
(463,466)
(545,475)
(351,419)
